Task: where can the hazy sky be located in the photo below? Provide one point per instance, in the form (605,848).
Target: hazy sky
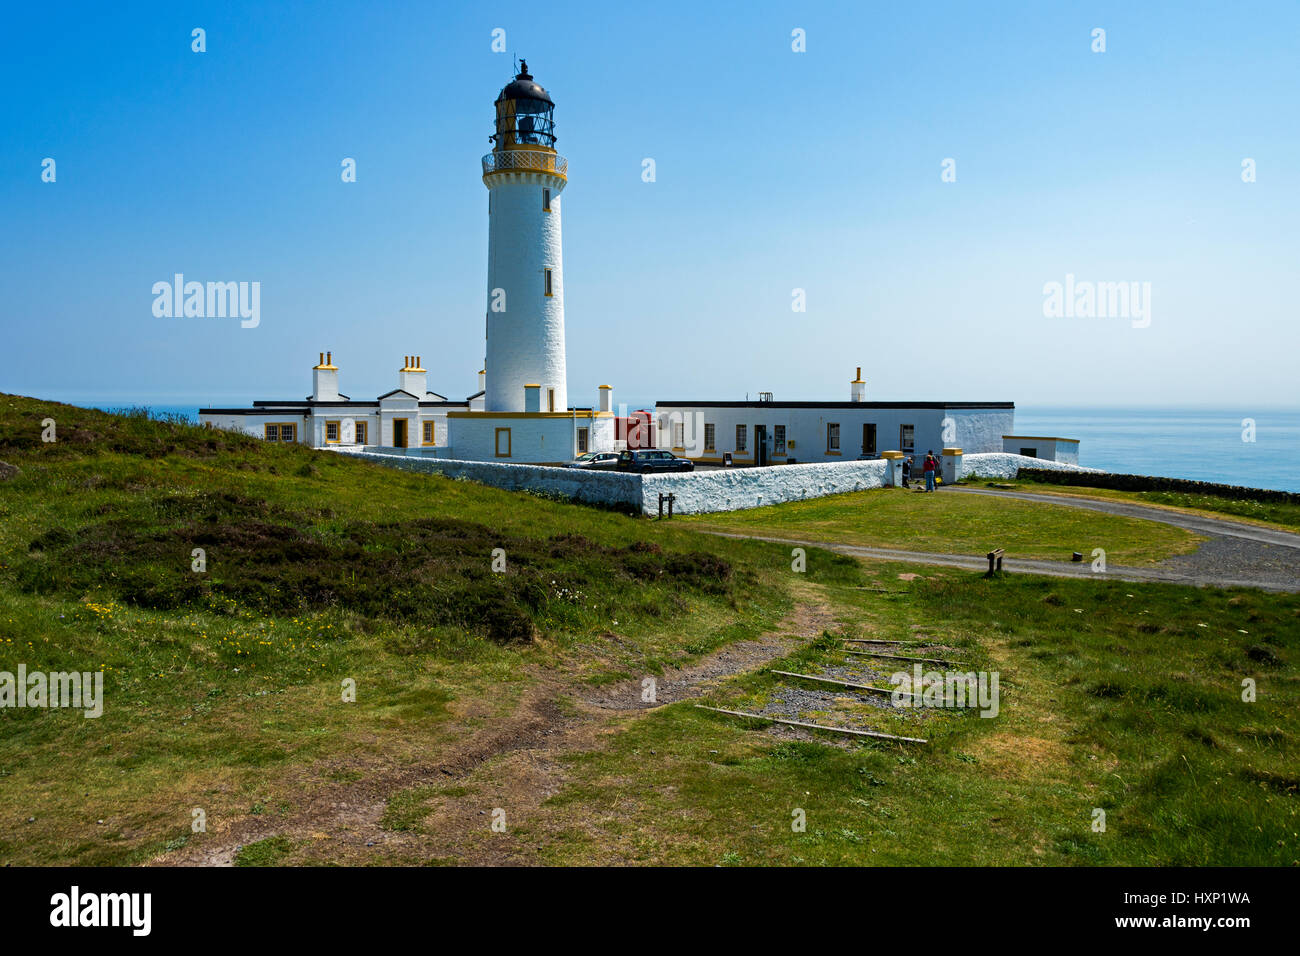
(775,171)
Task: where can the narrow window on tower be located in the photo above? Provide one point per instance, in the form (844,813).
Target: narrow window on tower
(550,399)
(548,282)
(546,200)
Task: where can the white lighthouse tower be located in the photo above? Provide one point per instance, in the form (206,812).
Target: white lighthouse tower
(526,417)
(525,311)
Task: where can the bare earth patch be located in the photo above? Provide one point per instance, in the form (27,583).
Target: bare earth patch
(513,764)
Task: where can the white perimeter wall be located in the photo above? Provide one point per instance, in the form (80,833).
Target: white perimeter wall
(696,492)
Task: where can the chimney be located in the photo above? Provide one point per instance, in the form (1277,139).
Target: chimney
(482,379)
(532,398)
(858,388)
(325,379)
(606,398)
(413,378)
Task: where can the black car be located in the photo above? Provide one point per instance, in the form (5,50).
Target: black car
(645,462)
(596,461)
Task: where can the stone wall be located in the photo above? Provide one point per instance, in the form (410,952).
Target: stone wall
(602,488)
(696,492)
(732,489)
(1007,465)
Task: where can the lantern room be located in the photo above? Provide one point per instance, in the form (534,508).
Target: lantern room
(525,114)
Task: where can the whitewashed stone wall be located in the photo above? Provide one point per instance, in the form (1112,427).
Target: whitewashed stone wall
(697,492)
(732,489)
(603,488)
(1006,465)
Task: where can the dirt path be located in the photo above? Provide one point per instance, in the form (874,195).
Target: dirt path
(514,764)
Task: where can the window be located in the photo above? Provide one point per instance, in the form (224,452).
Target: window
(582,440)
(710,436)
(740,437)
(907,439)
(832,437)
(869,440)
(550,399)
(332,432)
(679,434)
(1029,452)
(428,433)
(361,433)
(546,200)
(277,431)
(778,440)
(503,443)
(548,282)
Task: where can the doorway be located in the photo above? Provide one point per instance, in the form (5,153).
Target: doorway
(399,432)
(868,441)
(760,445)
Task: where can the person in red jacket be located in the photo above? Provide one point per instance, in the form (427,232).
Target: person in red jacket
(930,465)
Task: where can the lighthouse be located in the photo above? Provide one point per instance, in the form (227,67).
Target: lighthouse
(524,177)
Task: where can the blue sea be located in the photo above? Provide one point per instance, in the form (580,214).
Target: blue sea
(1205,445)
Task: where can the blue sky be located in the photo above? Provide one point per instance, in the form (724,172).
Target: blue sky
(775,170)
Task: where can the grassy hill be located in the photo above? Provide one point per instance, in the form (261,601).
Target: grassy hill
(479,690)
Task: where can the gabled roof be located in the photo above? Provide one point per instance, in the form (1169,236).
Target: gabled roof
(478,394)
(398,391)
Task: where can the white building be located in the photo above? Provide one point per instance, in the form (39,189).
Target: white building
(410,416)
(768,432)
(1064,450)
(527,417)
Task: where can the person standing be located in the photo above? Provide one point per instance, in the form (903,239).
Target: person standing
(907,471)
(930,464)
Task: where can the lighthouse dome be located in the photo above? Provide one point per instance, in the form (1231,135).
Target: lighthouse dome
(525,88)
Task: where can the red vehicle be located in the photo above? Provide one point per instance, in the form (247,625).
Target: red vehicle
(637,429)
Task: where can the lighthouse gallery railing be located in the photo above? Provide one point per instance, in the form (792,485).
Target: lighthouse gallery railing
(525,160)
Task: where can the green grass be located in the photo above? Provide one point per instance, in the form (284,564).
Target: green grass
(1114,697)
(1259,512)
(223,689)
(272,851)
(959,524)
